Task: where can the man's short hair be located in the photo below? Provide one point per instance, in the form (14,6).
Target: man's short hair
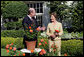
(30,10)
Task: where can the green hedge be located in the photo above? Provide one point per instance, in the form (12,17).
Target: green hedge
(14,25)
(16,9)
(18,42)
(72,47)
(12,33)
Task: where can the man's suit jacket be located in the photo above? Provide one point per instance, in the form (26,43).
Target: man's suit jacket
(28,22)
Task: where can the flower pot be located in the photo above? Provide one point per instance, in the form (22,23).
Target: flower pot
(30,45)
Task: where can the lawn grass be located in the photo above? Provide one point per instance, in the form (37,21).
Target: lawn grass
(3,52)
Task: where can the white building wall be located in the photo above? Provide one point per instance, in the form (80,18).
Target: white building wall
(46,17)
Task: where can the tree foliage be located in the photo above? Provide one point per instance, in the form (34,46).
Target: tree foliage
(15,9)
(59,7)
(77,15)
(72,15)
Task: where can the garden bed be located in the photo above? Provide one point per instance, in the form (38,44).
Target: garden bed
(72,47)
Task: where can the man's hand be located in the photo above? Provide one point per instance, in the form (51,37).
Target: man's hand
(39,28)
(43,28)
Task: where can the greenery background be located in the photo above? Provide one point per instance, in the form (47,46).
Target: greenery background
(17,10)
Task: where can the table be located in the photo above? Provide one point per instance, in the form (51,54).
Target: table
(28,52)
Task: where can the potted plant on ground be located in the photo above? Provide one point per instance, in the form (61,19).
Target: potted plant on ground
(31,34)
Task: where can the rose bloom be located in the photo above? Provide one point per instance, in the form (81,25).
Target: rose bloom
(54,50)
(23,54)
(11,43)
(29,27)
(44,52)
(19,54)
(7,51)
(31,31)
(41,53)
(10,48)
(45,42)
(37,29)
(39,44)
(42,40)
(57,31)
(14,49)
(7,46)
(32,51)
(65,54)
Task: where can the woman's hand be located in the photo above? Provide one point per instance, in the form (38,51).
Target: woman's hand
(41,28)
(52,36)
(57,34)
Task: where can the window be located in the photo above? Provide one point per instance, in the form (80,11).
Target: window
(39,20)
(39,9)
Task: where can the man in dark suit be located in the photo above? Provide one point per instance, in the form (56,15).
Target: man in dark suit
(28,20)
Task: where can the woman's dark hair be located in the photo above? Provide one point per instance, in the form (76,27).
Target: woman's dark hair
(54,14)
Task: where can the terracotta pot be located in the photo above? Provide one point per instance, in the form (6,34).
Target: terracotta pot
(30,45)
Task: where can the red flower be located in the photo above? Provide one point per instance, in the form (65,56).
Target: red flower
(42,40)
(29,27)
(10,48)
(19,54)
(31,31)
(14,49)
(23,54)
(45,42)
(32,51)
(40,53)
(54,50)
(44,52)
(57,31)
(65,54)
(37,29)
(11,43)
(7,51)
(7,46)
(39,44)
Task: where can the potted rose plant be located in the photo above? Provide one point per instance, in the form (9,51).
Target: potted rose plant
(31,34)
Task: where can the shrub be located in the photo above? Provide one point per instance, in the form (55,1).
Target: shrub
(72,35)
(72,47)
(16,9)
(10,25)
(7,40)
(14,25)
(12,33)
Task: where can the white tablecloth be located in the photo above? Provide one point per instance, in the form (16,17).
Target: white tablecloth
(28,51)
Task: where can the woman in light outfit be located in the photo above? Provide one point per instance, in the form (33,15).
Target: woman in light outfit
(54,25)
